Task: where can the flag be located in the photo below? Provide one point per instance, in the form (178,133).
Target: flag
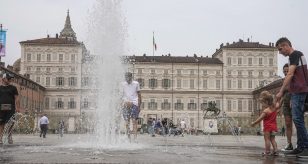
(154,44)
(2,42)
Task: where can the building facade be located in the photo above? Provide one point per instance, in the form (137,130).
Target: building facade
(56,64)
(181,87)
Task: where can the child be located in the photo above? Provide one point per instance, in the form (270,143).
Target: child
(268,116)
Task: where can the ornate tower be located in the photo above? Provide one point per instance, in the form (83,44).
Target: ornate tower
(67,31)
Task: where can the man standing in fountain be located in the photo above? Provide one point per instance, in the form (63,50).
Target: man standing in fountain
(9,104)
(131,102)
(43,122)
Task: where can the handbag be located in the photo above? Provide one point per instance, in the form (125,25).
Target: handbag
(306,100)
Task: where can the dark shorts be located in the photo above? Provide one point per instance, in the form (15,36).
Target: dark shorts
(287,111)
(5,116)
(131,113)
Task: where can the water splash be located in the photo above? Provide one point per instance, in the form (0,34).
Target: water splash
(106,42)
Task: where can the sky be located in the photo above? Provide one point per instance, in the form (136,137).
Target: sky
(182,27)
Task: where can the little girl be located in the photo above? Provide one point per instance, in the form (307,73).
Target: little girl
(268,116)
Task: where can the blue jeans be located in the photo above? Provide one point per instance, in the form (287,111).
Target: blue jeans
(297,101)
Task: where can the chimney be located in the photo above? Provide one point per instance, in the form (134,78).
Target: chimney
(169,54)
(227,44)
(57,36)
(195,56)
(248,40)
(240,40)
(272,44)
(48,36)
(221,45)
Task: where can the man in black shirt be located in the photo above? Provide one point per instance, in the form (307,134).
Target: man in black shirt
(296,81)
(9,104)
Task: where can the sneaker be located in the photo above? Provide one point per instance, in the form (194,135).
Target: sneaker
(275,153)
(288,147)
(294,152)
(303,154)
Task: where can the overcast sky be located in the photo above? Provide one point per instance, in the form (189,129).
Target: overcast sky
(182,27)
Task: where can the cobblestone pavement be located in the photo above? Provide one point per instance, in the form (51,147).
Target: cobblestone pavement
(74,148)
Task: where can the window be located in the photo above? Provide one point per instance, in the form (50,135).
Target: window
(217,84)
(260,73)
(60,57)
(249,105)
(204,84)
(48,57)
(72,81)
(178,72)
(249,84)
(218,103)
(178,105)
(271,61)
(48,69)
(141,82)
(229,84)
(152,71)
(28,57)
(239,61)
(152,83)
(192,72)
(239,84)
(72,104)
(249,61)
(191,105)
(240,106)
(152,105)
(73,58)
(218,73)
(204,72)
(60,69)
(85,81)
(260,61)
(239,73)
(38,69)
(59,104)
(59,81)
(271,73)
(38,79)
(229,61)
(229,105)
(192,83)
(166,83)
(73,69)
(179,83)
(165,71)
(47,81)
(229,73)
(47,102)
(165,105)
(28,68)
(250,73)
(38,57)
(139,71)
(85,103)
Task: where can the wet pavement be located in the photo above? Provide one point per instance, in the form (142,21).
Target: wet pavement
(72,148)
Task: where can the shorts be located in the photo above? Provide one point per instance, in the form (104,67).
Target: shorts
(287,111)
(133,113)
(5,116)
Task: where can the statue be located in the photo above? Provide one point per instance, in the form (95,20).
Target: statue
(212,109)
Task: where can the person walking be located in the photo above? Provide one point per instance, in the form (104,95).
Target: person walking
(296,80)
(43,122)
(61,128)
(286,108)
(131,102)
(9,105)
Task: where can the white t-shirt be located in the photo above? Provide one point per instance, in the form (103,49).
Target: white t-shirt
(183,125)
(130,92)
(43,120)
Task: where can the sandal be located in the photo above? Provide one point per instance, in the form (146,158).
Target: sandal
(266,153)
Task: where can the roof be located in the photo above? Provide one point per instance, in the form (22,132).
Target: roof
(174,59)
(245,45)
(51,41)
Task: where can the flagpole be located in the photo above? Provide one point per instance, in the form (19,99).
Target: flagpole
(153,43)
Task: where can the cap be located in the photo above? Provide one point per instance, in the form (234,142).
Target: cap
(8,76)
